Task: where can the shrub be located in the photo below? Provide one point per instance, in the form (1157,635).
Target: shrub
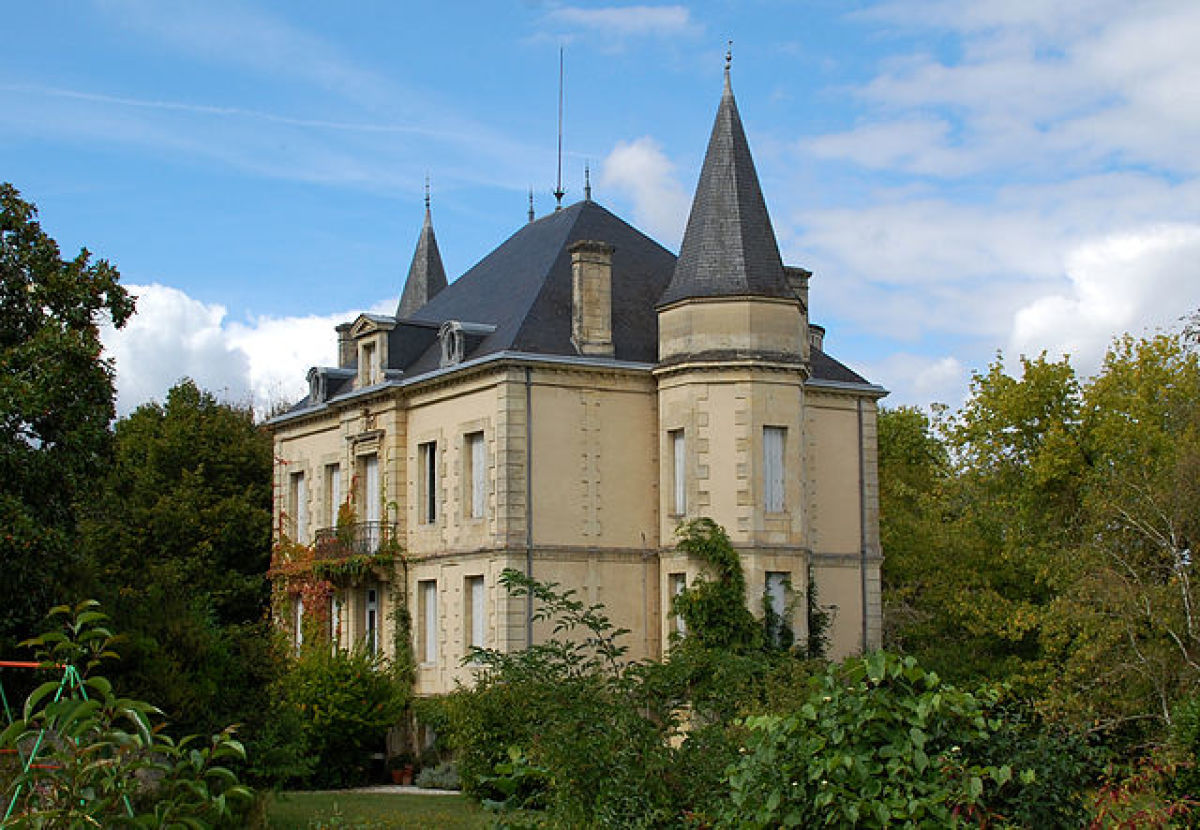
(346,701)
(103,760)
(564,723)
(1185,743)
(444,776)
(1062,767)
(879,742)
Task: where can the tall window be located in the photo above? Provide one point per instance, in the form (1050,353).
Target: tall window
(368,487)
(333,492)
(778,583)
(335,619)
(473,625)
(427,598)
(371,620)
(427,454)
(677,584)
(774,439)
(299,507)
(475,475)
(298,632)
(678,472)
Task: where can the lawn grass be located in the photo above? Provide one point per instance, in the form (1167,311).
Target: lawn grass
(304,810)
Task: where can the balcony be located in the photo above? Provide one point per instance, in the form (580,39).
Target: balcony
(357,539)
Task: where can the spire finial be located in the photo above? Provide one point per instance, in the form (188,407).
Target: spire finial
(558,188)
(728,63)
(531,205)
(426,192)
(587,181)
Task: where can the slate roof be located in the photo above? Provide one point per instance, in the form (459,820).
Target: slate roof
(426,275)
(523,288)
(824,367)
(729,247)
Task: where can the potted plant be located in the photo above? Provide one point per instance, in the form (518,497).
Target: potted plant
(400,766)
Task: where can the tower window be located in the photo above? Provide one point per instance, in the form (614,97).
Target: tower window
(774,439)
(678,472)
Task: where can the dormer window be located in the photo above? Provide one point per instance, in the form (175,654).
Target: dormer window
(316,385)
(368,368)
(450,335)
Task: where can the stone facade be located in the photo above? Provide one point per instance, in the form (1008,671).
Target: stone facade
(562,407)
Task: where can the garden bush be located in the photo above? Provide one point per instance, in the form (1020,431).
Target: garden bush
(103,760)
(443,776)
(878,743)
(346,701)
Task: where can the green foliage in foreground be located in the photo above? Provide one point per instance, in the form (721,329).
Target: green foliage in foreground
(566,734)
(102,760)
(339,705)
(880,742)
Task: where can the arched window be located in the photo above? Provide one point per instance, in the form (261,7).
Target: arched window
(451,337)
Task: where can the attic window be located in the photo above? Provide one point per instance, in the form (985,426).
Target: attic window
(450,335)
(316,386)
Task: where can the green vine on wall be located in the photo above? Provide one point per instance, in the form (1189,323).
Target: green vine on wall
(714,608)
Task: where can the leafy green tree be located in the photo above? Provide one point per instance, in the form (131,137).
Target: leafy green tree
(179,544)
(56,401)
(1125,631)
(979,511)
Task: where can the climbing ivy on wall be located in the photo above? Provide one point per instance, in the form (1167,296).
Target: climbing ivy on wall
(714,608)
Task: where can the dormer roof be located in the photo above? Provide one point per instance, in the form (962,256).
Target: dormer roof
(729,247)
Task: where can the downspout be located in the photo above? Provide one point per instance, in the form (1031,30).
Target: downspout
(528,504)
(862,525)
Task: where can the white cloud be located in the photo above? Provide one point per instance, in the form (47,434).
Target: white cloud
(1130,282)
(173,336)
(628,20)
(917,380)
(640,169)
(1047,86)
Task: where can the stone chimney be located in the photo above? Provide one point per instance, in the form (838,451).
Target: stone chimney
(816,336)
(591,297)
(797,280)
(346,352)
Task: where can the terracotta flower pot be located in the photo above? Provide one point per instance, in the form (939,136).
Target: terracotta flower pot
(403,776)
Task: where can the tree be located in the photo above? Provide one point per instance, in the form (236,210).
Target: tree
(56,402)
(1126,631)
(978,513)
(179,544)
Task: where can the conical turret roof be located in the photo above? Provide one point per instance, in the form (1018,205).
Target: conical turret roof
(426,275)
(729,247)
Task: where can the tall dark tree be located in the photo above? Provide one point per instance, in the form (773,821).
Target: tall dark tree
(56,403)
(179,543)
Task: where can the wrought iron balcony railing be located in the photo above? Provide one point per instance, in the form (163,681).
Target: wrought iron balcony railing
(357,539)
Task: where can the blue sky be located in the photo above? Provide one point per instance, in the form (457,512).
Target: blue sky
(962,177)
